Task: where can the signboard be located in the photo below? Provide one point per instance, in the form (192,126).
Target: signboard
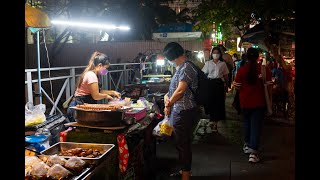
(285,27)
(176,36)
(207,44)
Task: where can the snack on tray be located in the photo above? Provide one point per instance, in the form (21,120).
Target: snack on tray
(30,160)
(58,172)
(27,171)
(75,164)
(120,102)
(81,152)
(99,107)
(39,170)
(55,159)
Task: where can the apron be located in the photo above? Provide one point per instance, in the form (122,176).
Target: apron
(85,99)
(78,100)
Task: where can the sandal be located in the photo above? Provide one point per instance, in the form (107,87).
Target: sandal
(178,174)
(214,127)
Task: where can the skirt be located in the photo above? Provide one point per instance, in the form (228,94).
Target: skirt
(216,108)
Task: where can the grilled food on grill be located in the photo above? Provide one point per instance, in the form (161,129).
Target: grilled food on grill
(99,107)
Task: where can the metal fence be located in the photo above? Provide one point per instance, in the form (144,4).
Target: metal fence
(67,77)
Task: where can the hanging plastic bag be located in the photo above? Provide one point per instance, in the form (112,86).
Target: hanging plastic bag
(34,114)
(163,128)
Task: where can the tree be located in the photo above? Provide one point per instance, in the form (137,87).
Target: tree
(241,14)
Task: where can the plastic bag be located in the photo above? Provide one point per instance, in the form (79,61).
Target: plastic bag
(163,128)
(39,170)
(121,102)
(34,114)
(58,172)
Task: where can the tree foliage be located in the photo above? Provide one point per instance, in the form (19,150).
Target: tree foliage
(240,13)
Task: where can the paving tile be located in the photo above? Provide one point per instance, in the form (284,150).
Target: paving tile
(272,169)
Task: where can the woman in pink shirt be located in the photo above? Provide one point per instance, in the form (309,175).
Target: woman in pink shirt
(88,87)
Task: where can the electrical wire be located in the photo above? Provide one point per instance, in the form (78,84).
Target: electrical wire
(45,45)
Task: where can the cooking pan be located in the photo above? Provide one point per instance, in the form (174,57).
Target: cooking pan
(99,118)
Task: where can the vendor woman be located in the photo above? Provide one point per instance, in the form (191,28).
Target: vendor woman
(88,90)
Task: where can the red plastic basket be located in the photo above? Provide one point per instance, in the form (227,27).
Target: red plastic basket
(137,113)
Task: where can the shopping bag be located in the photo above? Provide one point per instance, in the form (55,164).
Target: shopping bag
(67,102)
(163,128)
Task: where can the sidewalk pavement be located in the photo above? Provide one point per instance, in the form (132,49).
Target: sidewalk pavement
(219,156)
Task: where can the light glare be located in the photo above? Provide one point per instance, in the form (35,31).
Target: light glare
(90,25)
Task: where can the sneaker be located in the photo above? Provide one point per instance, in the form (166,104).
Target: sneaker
(201,131)
(253,158)
(246,149)
(208,130)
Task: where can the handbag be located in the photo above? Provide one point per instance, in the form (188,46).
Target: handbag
(266,91)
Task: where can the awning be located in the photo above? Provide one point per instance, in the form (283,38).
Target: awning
(257,34)
(36,18)
(176,36)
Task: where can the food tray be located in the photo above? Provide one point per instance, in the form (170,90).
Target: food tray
(64,146)
(137,113)
(83,174)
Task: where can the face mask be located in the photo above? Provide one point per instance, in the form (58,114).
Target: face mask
(215,56)
(104,71)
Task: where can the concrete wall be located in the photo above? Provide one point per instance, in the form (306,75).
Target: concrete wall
(79,54)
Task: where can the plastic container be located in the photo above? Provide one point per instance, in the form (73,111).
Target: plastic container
(137,113)
(39,142)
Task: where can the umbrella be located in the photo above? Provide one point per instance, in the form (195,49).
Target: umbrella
(255,35)
(35,20)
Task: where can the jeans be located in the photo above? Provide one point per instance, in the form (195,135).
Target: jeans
(253,121)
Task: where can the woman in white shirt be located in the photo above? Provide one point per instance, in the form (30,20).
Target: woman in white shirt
(217,71)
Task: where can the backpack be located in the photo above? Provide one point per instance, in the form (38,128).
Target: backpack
(202,92)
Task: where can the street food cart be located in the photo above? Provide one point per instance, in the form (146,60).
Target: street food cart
(123,138)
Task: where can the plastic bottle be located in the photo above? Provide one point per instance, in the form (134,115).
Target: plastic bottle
(63,135)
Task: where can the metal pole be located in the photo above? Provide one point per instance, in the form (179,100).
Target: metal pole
(39,74)
(29,85)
